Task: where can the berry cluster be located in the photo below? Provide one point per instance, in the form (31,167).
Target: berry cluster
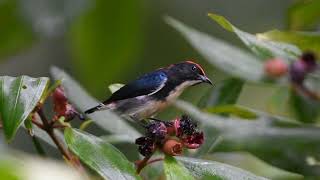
(298,70)
(170,137)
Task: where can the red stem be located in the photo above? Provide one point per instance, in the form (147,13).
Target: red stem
(49,129)
(154,160)
(141,164)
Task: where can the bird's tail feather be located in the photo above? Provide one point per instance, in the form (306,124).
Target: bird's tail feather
(96,108)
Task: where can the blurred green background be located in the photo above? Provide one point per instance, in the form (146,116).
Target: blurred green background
(100,42)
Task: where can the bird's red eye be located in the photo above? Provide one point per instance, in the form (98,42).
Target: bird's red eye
(194,68)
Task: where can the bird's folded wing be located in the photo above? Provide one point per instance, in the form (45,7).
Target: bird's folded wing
(146,85)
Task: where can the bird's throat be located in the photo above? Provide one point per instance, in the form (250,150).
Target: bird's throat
(176,92)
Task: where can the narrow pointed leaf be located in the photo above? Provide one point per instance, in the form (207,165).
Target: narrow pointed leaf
(306,41)
(225,92)
(204,168)
(105,119)
(278,102)
(175,170)
(18,97)
(99,155)
(304,108)
(224,56)
(263,48)
(234,110)
(253,164)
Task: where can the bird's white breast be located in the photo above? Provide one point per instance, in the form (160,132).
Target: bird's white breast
(173,95)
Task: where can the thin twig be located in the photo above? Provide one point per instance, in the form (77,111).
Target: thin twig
(45,121)
(141,164)
(50,131)
(37,123)
(48,127)
(154,160)
(59,126)
(63,151)
(303,90)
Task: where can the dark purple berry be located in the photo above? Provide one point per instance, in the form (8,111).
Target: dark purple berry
(310,61)
(146,150)
(146,146)
(143,140)
(156,130)
(186,126)
(308,57)
(298,71)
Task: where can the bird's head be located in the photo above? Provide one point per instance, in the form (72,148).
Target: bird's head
(189,71)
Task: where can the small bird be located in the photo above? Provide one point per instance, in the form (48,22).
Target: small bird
(154,91)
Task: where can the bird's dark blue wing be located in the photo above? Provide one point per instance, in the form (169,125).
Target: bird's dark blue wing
(145,85)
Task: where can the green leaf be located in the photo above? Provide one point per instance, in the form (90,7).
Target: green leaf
(224,56)
(234,110)
(18,97)
(202,168)
(253,164)
(100,156)
(263,48)
(304,108)
(273,140)
(225,92)
(278,102)
(174,170)
(113,139)
(105,119)
(304,14)
(306,41)
(102,44)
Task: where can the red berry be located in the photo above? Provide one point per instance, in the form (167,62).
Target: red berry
(193,141)
(172,147)
(275,67)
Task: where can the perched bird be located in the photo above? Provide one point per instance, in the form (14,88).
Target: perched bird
(154,91)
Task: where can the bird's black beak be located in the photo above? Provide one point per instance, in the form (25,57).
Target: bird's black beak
(205,79)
